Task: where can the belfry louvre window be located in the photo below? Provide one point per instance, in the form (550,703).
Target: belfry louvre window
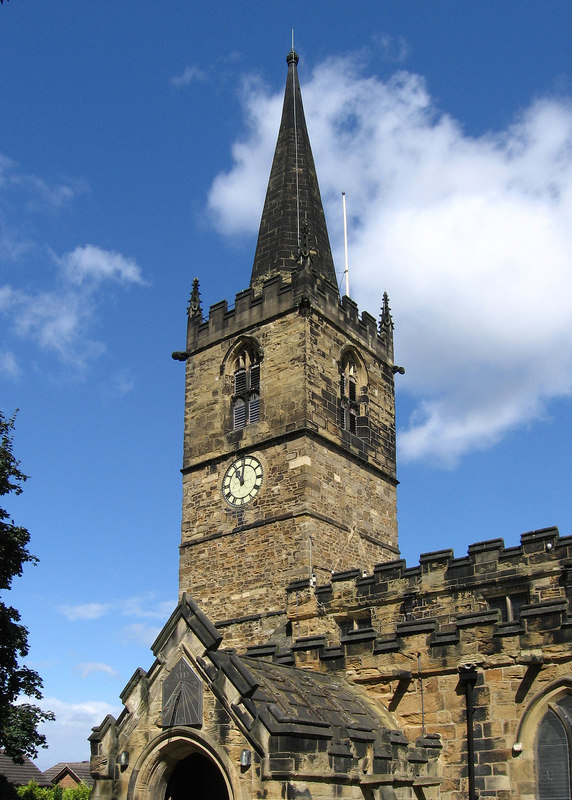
(349,407)
(554,751)
(246,390)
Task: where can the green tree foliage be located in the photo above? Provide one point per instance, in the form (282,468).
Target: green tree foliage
(18,721)
(34,792)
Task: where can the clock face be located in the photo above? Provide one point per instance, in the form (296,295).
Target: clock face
(242,481)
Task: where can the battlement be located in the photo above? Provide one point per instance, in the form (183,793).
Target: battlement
(441,571)
(305,291)
(495,598)
(541,636)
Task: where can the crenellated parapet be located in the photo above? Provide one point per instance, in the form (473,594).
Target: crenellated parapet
(521,597)
(304,293)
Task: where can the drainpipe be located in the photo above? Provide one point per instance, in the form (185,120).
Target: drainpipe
(467,680)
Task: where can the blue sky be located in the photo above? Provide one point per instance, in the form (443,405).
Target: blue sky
(135,149)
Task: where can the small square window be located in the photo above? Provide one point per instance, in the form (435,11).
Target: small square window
(509,605)
(346,626)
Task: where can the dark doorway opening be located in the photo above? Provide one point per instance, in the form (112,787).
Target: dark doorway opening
(196,777)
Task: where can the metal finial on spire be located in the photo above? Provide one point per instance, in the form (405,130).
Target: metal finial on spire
(292,55)
(194,309)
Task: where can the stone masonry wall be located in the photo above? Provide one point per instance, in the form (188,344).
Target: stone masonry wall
(327,501)
(139,727)
(301,349)
(199,699)
(317,511)
(410,658)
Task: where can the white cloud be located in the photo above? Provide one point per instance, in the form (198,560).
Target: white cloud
(87,668)
(95,265)
(235,198)
(147,607)
(139,607)
(470,236)
(188,76)
(6,297)
(52,319)
(67,736)
(138,633)
(13,243)
(85,611)
(118,384)
(144,607)
(42,195)
(37,193)
(58,320)
(394,48)
(8,365)
(56,312)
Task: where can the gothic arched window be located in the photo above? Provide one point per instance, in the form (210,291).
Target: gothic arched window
(349,406)
(554,751)
(246,388)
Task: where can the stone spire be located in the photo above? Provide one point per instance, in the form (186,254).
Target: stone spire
(293,231)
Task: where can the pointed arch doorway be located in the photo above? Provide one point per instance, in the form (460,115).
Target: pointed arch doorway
(196,777)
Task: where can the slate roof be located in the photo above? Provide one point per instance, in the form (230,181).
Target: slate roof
(307,712)
(21,774)
(286,700)
(295,701)
(299,705)
(77,769)
(293,215)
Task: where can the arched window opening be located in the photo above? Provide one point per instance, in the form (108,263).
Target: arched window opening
(349,407)
(246,389)
(554,751)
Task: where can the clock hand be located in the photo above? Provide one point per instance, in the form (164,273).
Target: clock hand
(237,475)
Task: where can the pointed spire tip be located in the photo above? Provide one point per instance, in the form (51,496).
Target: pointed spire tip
(293,232)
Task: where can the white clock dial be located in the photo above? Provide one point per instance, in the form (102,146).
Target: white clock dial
(242,481)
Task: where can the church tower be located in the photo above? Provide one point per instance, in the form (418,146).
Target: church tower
(289,444)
